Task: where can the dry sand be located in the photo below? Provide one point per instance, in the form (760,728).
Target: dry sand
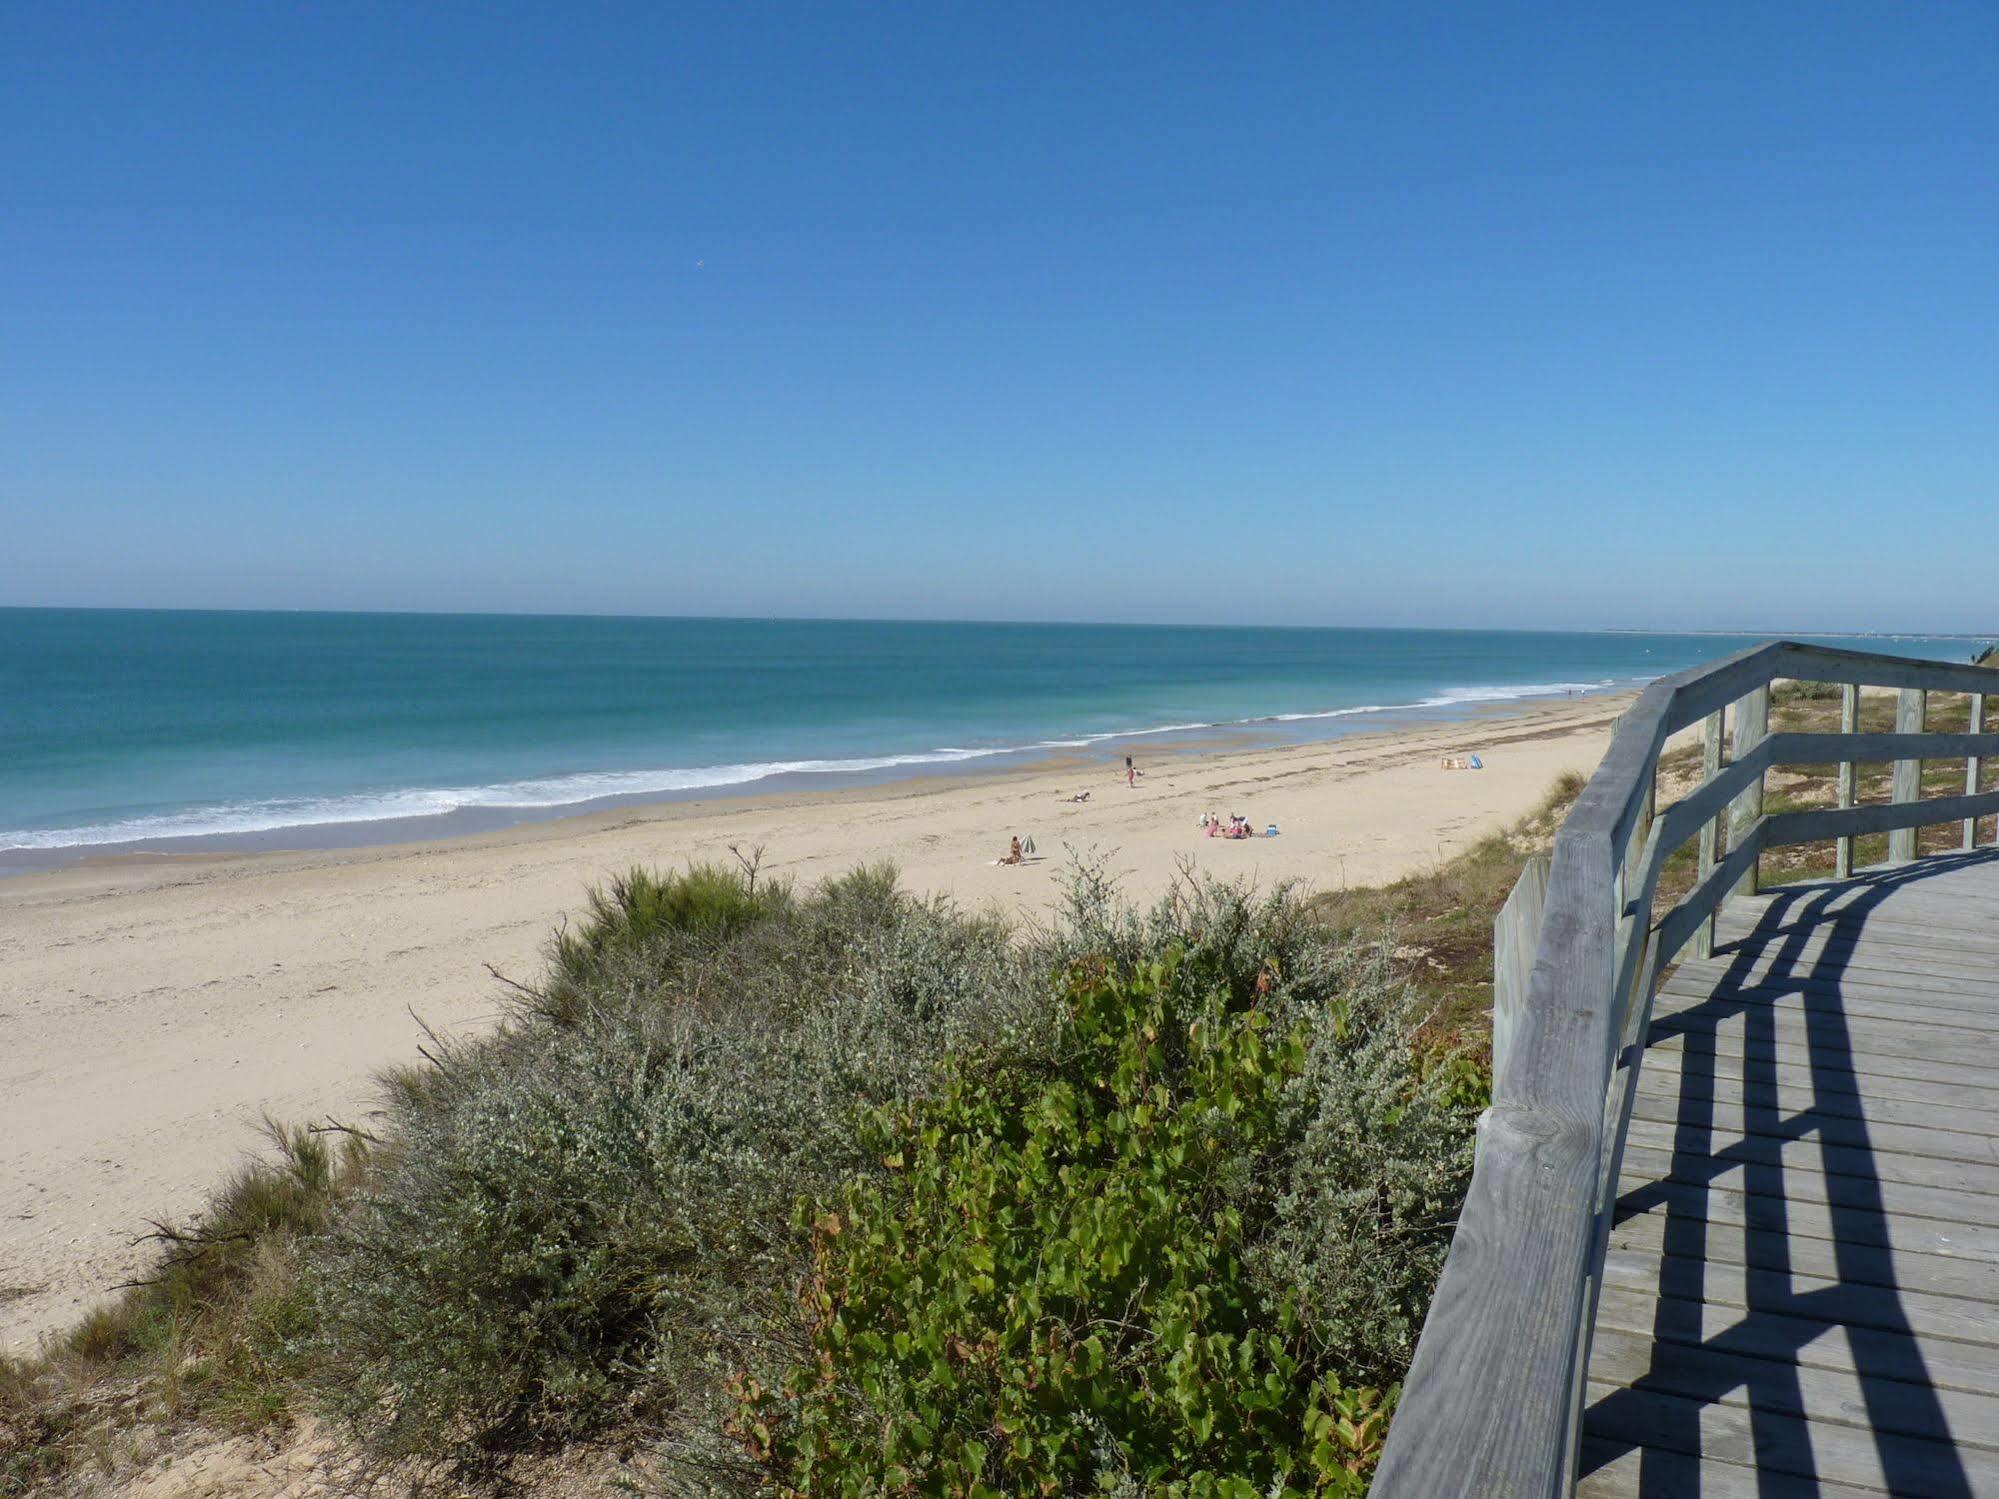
(152,1009)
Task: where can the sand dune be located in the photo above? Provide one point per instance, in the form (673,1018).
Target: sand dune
(151,1009)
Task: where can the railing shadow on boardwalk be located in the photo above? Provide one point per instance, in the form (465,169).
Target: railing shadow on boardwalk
(1888,1361)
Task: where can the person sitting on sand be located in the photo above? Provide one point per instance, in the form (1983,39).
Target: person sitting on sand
(1013,855)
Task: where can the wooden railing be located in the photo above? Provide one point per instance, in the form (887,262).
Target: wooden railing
(1491,1408)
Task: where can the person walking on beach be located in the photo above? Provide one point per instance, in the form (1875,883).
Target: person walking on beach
(1130,773)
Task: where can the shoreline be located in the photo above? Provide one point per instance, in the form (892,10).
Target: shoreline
(156,1005)
(472,818)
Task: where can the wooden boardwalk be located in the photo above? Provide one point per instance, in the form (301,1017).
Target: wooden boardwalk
(1801,1291)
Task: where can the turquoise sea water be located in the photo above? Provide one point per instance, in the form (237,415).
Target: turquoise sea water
(121,728)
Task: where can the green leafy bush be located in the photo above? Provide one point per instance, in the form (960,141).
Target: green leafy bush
(578,1218)
(1047,1289)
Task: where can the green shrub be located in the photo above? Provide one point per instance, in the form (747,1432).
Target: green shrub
(1382,1125)
(643,913)
(1169,1193)
(576,1218)
(1048,1289)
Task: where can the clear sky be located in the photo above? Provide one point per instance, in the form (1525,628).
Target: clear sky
(1679,315)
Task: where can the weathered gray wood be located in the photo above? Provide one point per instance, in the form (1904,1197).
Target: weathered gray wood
(1812,1254)
(1725,1284)
(1908,774)
(1838,1058)
(1711,829)
(1823,749)
(1823,1453)
(1694,915)
(1973,767)
(1513,1290)
(1668,1059)
(1615,1470)
(1814,1342)
(1793,1218)
(1694,694)
(1900,818)
(1800,1166)
(1515,932)
(1849,723)
(1752,722)
(1904,1406)
(1818,663)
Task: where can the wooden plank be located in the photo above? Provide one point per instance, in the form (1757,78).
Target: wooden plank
(1711,833)
(1700,690)
(1897,949)
(1867,1042)
(1794,1098)
(1515,931)
(1615,1470)
(1785,1384)
(1962,923)
(1899,818)
(1799,1170)
(1850,994)
(1888,1237)
(1854,747)
(1866,979)
(1792,1047)
(1908,774)
(1873,965)
(1967,1178)
(1693,917)
(1815,1341)
(1865,970)
(1752,723)
(1664,1063)
(1818,663)
(1849,723)
(1730,1243)
(1973,767)
(1769,1443)
(1731,1119)
(1934,928)
(1733,1288)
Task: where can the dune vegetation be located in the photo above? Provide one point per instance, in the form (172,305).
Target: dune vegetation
(838,1191)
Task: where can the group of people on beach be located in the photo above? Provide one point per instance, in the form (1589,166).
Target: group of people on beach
(1237,826)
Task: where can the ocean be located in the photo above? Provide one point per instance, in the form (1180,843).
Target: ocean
(169,730)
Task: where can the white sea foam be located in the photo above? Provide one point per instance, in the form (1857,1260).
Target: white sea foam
(276,814)
(1452,697)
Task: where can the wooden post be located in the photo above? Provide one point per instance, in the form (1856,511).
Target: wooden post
(1516,932)
(1972,767)
(1632,922)
(1908,776)
(1849,722)
(1711,831)
(1752,724)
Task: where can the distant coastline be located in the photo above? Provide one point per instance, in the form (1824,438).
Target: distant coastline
(136,732)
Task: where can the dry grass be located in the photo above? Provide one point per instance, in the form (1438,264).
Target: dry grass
(1440,922)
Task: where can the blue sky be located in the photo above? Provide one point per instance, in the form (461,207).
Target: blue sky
(1515,315)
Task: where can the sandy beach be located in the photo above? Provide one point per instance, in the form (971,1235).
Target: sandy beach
(154,1008)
